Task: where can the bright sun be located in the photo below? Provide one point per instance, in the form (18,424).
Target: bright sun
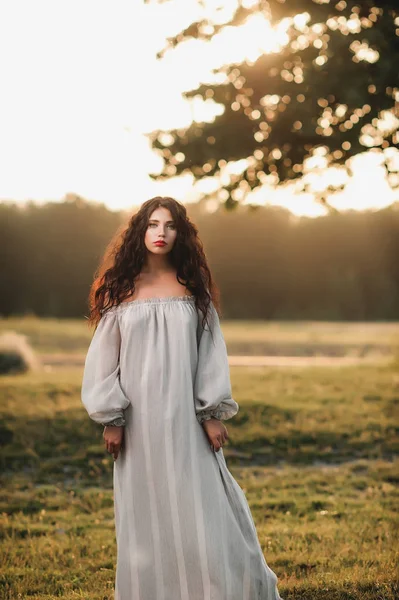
(81,86)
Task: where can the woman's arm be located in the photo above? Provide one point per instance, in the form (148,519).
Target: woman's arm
(102,393)
(212,386)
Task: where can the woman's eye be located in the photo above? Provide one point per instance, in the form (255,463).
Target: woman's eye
(154,225)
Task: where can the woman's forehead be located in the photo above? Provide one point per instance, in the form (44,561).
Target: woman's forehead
(161,213)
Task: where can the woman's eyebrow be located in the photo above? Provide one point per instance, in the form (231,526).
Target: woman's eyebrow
(156,221)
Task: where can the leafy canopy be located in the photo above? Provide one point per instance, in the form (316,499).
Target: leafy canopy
(329,92)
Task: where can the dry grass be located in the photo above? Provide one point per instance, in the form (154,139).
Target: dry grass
(282,338)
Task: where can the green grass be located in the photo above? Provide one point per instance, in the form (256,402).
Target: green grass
(315,450)
(327,533)
(316,414)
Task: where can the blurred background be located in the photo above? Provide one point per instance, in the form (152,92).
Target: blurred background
(276,124)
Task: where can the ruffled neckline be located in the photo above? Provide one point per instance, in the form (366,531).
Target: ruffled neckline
(154,300)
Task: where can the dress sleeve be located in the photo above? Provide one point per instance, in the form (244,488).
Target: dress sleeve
(212,386)
(102,394)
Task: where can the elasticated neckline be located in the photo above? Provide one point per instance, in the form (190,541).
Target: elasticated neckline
(154,300)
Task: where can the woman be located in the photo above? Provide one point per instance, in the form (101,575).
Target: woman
(157,376)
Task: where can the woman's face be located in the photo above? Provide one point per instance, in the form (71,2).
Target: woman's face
(161,228)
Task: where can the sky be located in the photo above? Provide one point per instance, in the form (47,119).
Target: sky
(81,86)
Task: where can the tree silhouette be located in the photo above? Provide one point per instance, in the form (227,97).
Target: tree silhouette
(330,92)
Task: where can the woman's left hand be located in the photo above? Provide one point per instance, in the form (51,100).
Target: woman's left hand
(216,432)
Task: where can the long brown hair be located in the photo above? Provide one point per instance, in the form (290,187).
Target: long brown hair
(124,257)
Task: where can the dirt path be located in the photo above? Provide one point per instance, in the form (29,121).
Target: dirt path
(303,361)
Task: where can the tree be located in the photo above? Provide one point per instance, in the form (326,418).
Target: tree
(331,92)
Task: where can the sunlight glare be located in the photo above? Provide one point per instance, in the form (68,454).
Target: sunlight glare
(81,86)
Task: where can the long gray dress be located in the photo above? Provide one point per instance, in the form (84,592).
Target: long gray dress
(184,529)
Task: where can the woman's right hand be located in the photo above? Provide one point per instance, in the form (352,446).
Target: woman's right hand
(113,437)
(216,432)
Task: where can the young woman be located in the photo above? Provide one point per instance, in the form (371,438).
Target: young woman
(157,376)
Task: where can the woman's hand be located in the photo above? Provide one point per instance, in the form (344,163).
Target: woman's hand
(113,437)
(216,432)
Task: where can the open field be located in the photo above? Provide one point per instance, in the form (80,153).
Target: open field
(315,450)
(274,338)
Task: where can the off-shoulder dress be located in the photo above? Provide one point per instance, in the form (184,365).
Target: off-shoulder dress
(184,529)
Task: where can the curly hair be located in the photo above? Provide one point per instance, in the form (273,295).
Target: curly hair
(124,257)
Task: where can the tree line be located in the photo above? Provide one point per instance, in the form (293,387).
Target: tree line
(267,263)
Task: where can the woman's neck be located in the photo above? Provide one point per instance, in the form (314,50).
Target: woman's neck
(157,265)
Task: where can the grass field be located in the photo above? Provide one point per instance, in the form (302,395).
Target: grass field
(316,451)
(304,338)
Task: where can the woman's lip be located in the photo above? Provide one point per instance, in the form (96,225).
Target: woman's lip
(160,243)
